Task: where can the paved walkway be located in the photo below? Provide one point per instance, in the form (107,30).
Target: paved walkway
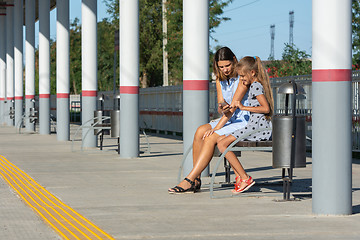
(128,199)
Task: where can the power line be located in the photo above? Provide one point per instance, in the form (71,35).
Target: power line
(242,6)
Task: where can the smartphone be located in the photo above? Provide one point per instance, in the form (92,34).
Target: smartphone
(223,104)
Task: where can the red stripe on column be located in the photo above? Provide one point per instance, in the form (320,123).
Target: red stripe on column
(10,98)
(62,95)
(89,93)
(44,95)
(331,75)
(196,85)
(129,90)
(29,96)
(18,98)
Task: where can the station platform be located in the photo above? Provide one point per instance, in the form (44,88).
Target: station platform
(128,198)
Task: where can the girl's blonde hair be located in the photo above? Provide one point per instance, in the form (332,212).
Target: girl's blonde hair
(224,54)
(246,64)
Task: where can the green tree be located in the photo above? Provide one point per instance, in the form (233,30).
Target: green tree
(75,57)
(151,35)
(105,48)
(356,33)
(175,33)
(294,62)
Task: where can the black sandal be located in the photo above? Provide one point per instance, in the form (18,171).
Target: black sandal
(178,189)
(197,184)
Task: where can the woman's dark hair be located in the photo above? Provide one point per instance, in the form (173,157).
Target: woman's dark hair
(224,54)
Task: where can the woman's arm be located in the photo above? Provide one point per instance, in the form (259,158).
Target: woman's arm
(239,94)
(221,108)
(263,108)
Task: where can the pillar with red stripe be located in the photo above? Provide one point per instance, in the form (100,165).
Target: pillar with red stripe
(195,71)
(331,116)
(44,67)
(29,62)
(129,78)
(62,71)
(2,66)
(18,59)
(9,62)
(89,69)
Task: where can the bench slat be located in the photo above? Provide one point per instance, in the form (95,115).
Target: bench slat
(254,144)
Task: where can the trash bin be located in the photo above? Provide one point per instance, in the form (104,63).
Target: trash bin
(98,114)
(284,132)
(282,138)
(115,123)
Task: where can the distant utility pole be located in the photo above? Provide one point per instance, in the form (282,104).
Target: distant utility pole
(291,21)
(272,34)
(165,53)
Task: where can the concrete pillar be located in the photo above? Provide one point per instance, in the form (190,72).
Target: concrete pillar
(9,62)
(18,59)
(129,78)
(2,66)
(29,61)
(62,71)
(44,66)
(89,68)
(331,117)
(195,71)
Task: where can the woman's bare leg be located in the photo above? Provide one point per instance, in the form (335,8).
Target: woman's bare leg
(198,141)
(204,157)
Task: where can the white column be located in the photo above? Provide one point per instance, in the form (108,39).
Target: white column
(331,116)
(29,61)
(9,62)
(2,66)
(89,68)
(195,71)
(18,59)
(62,71)
(129,78)
(165,53)
(44,66)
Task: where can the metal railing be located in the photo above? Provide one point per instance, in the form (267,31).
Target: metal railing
(161,107)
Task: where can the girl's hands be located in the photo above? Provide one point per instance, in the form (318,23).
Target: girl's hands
(238,104)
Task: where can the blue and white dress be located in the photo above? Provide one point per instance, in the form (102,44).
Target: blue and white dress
(257,120)
(240,118)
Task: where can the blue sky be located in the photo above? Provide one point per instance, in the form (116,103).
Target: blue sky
(248,31)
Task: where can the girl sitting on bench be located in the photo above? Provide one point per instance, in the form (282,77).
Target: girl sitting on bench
(261,104)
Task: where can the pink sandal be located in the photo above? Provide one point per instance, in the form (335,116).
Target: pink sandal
(249,183)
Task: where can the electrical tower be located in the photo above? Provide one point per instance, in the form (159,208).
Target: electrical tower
(272,34)
(291,21)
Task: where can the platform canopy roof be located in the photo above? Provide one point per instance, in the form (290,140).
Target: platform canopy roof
(6,3)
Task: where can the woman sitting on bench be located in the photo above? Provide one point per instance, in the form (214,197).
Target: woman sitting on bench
(229,89)
(261,105)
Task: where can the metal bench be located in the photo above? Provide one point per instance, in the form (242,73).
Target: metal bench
(238,146)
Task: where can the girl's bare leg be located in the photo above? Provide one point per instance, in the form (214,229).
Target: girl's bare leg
(223,148)
(231,157)
(204,157)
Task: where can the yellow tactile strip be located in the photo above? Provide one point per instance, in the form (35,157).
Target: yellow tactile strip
(63,219)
